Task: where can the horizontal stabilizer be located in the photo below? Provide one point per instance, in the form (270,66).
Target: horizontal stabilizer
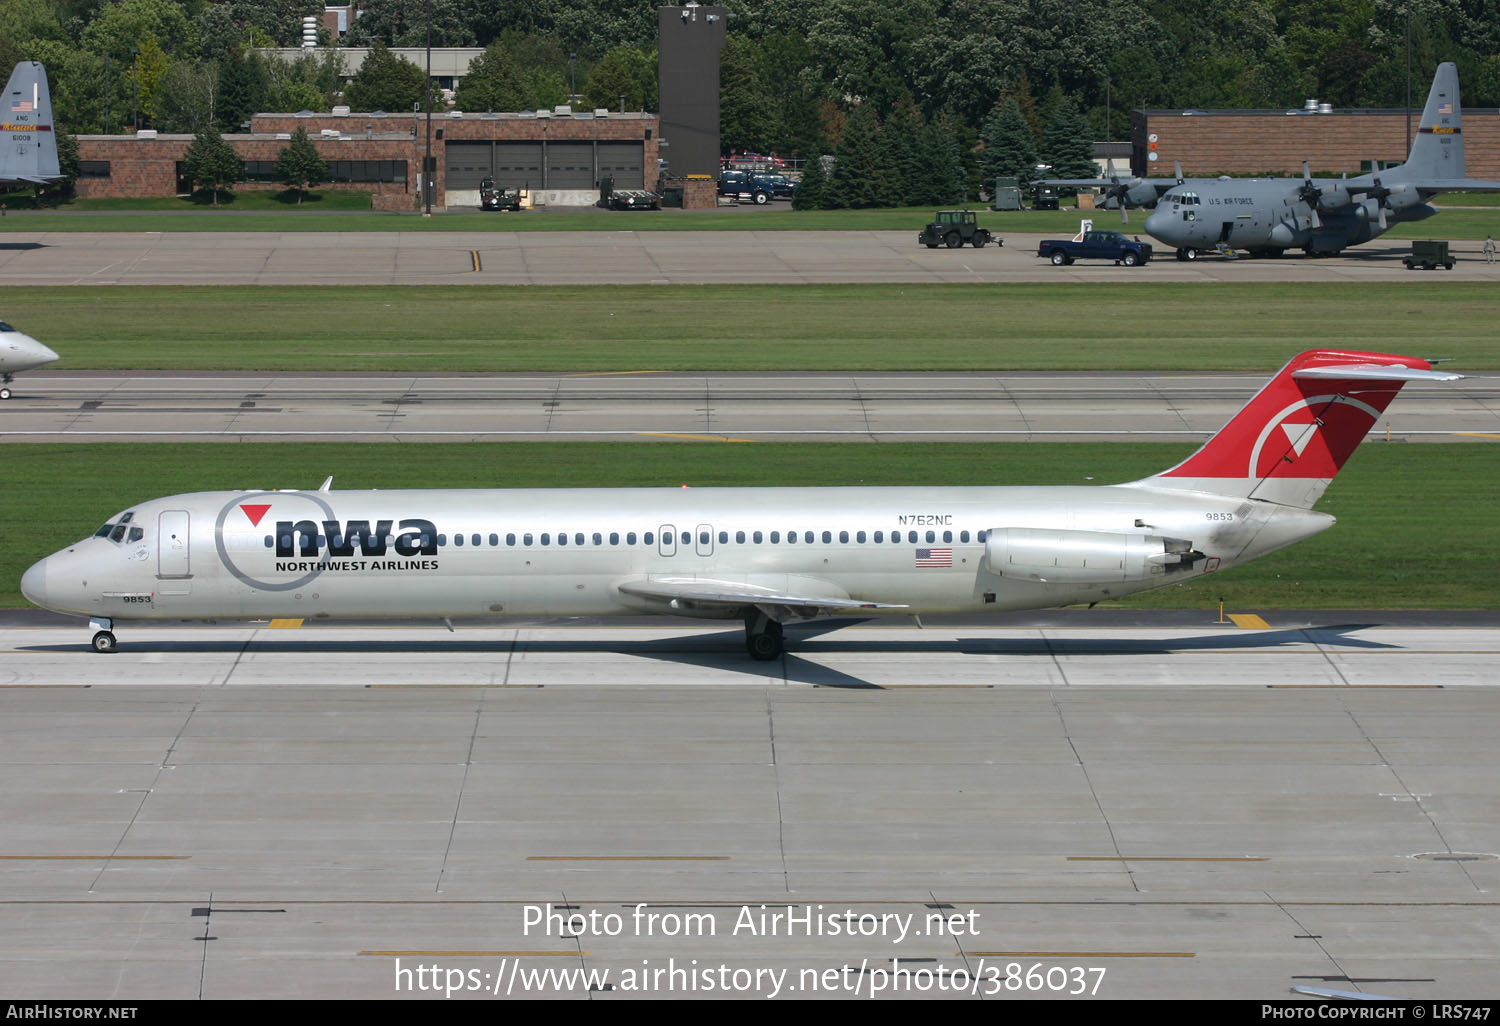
(1374,372)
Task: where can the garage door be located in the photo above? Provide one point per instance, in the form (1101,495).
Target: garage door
(518,164)
(623,161)
(468,164)
(570,165)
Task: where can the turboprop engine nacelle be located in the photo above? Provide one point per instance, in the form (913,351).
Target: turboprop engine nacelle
(1332,197)
(1084,557)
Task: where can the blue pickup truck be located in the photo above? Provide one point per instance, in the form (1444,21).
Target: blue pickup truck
(1096,246)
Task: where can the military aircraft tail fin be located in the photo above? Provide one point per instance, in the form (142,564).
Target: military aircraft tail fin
(1438,149)
(26,119)
(1291,439)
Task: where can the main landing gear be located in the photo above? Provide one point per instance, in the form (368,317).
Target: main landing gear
(104,638)
(763,638)
(5,388)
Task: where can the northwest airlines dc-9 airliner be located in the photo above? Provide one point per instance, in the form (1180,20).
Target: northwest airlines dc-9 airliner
(763,555)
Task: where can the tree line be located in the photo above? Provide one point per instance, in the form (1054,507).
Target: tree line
(795,76)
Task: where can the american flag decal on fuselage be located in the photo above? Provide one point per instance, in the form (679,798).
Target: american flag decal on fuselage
(934,557)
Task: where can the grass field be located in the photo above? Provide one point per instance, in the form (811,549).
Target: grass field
(270,215)
(1106,326)
(1416,530)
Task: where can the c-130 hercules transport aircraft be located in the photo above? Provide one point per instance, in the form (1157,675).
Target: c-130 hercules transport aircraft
(764,555)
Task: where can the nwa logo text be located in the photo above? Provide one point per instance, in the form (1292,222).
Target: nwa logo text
(302,537)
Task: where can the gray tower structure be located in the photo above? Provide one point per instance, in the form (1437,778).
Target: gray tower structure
(690,38)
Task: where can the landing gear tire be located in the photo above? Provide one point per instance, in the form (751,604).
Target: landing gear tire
(104,641)
(763,638)
(1187,253)
(4,393)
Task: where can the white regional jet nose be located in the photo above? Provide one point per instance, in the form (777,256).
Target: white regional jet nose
(34,584)
(31,351)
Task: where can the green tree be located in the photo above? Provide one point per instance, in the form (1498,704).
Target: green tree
(905,158)
(404,23)
(386,82)
(187,98)
(494,82)
(146,74)
(1067,145)
(123,26)
(211,163)
(218,34)
(860,178)
(941,183)
(1009,148)
(812,191)
(299,166)
(242,90)
(746,106)
(624,71)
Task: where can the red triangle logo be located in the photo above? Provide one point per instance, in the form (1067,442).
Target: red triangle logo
(255,513)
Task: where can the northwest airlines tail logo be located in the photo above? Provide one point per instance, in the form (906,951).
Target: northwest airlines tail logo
(1311,437)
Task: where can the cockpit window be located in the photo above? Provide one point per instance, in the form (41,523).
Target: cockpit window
(118,530)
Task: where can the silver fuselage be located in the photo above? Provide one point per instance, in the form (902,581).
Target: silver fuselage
(486,553)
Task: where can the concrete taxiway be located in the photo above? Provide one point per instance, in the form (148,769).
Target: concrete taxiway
(627,256)
(162,406)
(1179,810)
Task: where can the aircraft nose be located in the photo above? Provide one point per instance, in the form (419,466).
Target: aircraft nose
(34,584)
(34,350)
(1156,222)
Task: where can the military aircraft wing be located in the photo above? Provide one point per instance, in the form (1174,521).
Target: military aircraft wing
(1456,185)
(688,596)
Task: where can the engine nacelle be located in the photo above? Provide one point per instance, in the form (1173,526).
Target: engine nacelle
(1084,557)
(1368,210)
(1400,197)
(1140,194)
(1332,197)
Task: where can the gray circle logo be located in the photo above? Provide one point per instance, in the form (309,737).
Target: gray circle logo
(287,505)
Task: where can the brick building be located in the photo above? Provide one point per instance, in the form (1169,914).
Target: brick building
(560,156)
(1217,142)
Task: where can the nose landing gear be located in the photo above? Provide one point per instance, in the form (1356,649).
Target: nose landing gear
(104,638)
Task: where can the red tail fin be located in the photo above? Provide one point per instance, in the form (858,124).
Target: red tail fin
(1290,441)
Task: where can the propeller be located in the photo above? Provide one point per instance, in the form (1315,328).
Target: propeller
(1117,191)
(1310,194)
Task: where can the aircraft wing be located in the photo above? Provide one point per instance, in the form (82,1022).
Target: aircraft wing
(690,596)
(1455,185)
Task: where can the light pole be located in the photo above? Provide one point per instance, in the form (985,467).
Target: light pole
(135,104)
(573,75)
(427,187)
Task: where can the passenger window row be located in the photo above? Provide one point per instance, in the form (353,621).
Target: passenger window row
(648,538)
